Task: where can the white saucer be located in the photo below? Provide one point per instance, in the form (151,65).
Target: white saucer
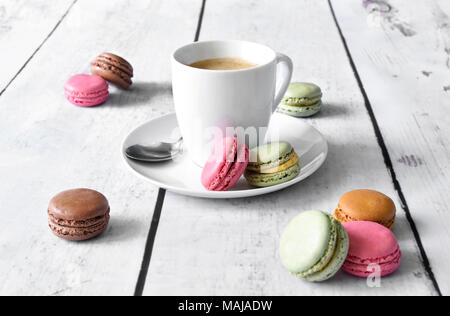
(183,176)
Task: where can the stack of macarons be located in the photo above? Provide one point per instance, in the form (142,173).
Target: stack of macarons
(367,248)
(225,165)
(90,90)
(368,217)
(272,164)
(302,99)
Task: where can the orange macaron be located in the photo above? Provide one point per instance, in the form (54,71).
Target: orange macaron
(366,205)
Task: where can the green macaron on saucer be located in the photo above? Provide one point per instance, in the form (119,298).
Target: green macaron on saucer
(272,164)
(302,99)
(314,246)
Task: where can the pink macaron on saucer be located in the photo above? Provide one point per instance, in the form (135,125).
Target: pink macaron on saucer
(86,90)
(225,165)
(373,247)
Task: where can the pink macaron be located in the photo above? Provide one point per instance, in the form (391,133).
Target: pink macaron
(373,248)
(86,90)
(226,165)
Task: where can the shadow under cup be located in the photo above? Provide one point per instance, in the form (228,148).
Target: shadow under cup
(211,104)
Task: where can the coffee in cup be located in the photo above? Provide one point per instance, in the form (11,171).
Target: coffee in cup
(225,63)
(226,87)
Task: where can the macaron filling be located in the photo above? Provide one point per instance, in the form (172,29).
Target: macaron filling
(121,66)
(79,233)
(269,179)
(323,262)
(338,258)
(387,264)
(92,222)
(291,162)
(82,98)
(118,72)
(300,111)
(301,108)
(344,218)
(235,171)
(259,166)
(292,101)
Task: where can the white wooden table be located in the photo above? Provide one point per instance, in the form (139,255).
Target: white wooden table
(384,67)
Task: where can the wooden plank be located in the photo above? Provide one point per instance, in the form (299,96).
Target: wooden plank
(403,57)
(49,145)
(230,247)
(24,25)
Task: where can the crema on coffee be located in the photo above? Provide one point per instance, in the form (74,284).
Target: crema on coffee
(227,63)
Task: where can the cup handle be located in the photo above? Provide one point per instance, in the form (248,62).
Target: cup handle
(286,63)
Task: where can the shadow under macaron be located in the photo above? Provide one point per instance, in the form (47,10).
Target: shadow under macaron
(120,229)
(140,94)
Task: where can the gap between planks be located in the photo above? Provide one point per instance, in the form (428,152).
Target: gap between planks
(140,284)
(39,47)
(386,156)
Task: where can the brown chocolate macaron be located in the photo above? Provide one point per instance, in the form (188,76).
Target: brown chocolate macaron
(114,69)
(366,205)
(78,214)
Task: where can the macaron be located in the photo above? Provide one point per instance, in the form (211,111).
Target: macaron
(272,164)
(373,248)
(314,246)
(302,99)
(78,214)
(114,69)
(225,165)
(86,90)
(366,205)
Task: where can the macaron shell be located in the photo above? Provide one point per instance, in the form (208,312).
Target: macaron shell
(366,205)
(270,155)
(236,170)
(327,256)
(338,259)
(305,241)
(300,111)
(305,90)
(78,205)
(371,243)
(219,163)
(269,179)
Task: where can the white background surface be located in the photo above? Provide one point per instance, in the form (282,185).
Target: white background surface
(219,247)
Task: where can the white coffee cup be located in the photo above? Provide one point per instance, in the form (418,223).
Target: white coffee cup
(210,100)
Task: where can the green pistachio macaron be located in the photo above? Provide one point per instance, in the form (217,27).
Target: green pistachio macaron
(314,246)
(272,164)
(302,99)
